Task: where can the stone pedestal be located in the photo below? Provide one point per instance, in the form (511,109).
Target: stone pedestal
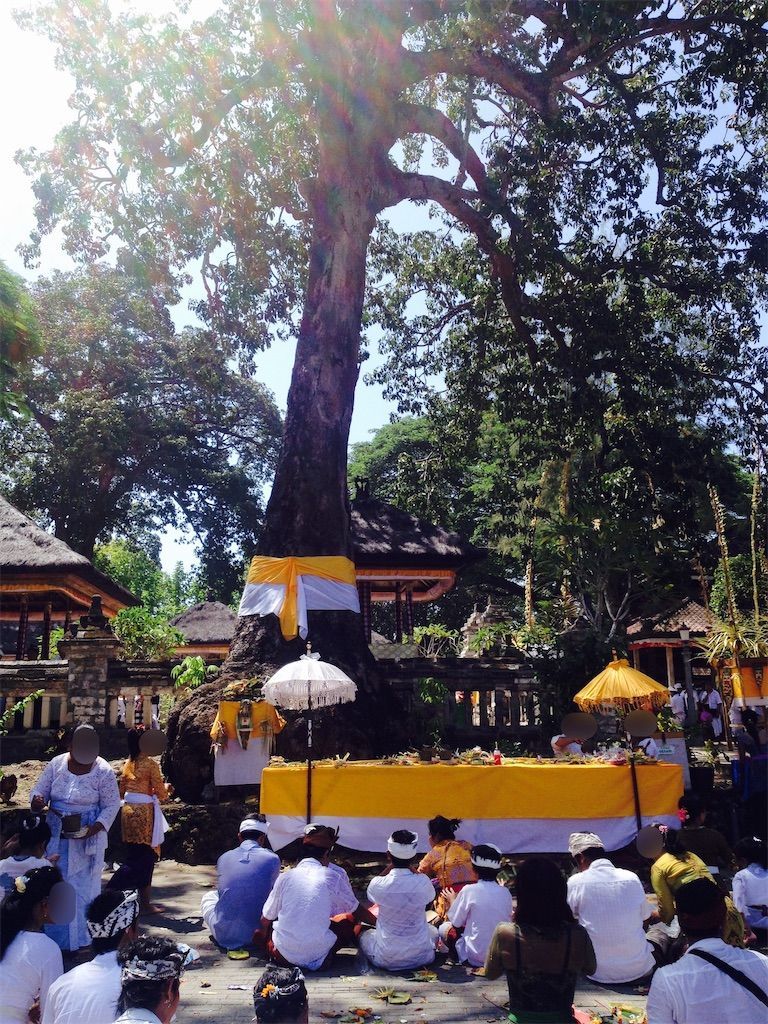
(88,665)
(88,654)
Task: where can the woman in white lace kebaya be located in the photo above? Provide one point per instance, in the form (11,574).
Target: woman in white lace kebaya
(78,783)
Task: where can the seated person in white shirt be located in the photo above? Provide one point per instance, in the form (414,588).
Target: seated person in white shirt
(402,938)
(33,837)
(611,904)
(309,914)
(750,883)
(476,910)
(699,989)
(648,746)
(563,745)
(88,994)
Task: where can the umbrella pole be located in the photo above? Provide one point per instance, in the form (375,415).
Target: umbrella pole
(309,754)
(635,792)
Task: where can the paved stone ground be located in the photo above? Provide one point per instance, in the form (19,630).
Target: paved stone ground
(208,994)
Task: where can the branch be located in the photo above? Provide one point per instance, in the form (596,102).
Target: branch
(415,119)
(152,138)
(454,201)
(512,78)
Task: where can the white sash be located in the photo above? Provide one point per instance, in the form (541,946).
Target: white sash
(159,824)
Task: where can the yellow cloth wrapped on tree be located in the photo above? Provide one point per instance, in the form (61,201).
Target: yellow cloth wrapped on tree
(289,587)
(265,721)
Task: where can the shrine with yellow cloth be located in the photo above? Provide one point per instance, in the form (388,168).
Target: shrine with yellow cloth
(239,760)
(523,807)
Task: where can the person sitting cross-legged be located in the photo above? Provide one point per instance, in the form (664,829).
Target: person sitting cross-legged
(244,878)
(543,951)
(402,939)
(713,983)
(611,904)
(88,994)
(476,910)
(309,914)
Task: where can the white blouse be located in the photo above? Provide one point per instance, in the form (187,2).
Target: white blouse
(31,964)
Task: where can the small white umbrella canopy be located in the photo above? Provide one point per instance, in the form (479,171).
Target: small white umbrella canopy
(309,683)
(304,685)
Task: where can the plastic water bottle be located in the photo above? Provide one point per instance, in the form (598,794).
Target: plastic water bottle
(497,756)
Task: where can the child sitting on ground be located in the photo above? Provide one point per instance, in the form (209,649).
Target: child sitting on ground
(474,912)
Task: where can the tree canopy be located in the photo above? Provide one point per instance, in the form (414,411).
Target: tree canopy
(19,339)
(134,426)
(595,174)
(140,571)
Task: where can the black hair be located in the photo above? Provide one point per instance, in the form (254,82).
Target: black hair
(753,850)
(311,851)
(542,895)
(133,738)
(592,853)
(702,899)
(487,853)
(693,805)
(17,907)
(255,833)
(33,831)
(100,908)
(405,837)
(146,994)
(443,828)
(670,838)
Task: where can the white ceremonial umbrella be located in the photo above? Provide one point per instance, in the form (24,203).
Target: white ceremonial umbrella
(304,685)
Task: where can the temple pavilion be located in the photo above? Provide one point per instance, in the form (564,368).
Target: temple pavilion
(207,628)
(658,645)
(44,583)
(401,558)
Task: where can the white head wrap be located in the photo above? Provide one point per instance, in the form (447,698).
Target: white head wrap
(403,851)
(486,862)
(580,841)
(117,920)
(253,825)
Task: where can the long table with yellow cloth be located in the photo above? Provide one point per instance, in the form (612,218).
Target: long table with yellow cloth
(523,807)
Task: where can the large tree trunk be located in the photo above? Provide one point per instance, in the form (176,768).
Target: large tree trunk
(308,510)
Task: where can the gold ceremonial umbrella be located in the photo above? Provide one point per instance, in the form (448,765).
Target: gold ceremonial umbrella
(621,684)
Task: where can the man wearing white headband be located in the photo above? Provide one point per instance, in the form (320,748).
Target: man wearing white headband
(88,994)
(402,939)
(475,911)
(611,904)
(244,879)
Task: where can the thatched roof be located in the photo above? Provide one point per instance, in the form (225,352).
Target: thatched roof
(385,535)
(26,548)
(209,622)
(686,615)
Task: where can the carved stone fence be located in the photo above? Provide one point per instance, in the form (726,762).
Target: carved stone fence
(82,687)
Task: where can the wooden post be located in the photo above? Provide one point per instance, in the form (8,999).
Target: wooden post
(636,794)
(484,709)
(398,613)
(45,646)
(409,611)
(364,594)
(67,618)
(21,638)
